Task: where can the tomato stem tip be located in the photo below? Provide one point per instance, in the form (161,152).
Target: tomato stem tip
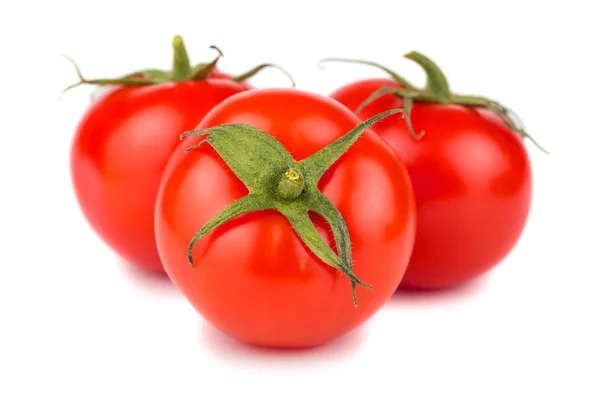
(181,68)
(291,184)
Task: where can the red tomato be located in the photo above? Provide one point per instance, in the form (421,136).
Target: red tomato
(472,181)
(120,149)
(255,279)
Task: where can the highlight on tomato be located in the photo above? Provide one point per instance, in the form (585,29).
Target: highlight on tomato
(123,142)
(284,220)
(468,164)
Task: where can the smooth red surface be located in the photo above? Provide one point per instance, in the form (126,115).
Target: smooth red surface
(120,150)
(254,279)
(472,181)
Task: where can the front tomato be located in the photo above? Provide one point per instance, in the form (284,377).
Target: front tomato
(255,278)
(125,138)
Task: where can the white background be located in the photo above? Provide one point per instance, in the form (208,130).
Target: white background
(76,320)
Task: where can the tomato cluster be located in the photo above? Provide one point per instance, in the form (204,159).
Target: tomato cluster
(288,218)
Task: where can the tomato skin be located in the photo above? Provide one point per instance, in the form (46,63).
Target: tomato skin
(217,74)
(472,180)
(122,145)
(254,279)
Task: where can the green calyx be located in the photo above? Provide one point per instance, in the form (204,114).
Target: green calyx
(436,91)
(276,181)
(182,70)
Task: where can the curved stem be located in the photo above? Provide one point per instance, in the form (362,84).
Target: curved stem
(250,73)
(437,85)
(374,96)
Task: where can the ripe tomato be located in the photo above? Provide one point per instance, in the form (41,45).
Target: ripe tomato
(471,176)
(124,140)
(255,279)
(120,149)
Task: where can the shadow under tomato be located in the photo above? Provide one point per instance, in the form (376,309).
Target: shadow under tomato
(234,351)
(420,297)
(147,280)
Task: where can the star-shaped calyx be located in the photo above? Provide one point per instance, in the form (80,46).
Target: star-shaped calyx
(182,70)
(436,91)
(276,181)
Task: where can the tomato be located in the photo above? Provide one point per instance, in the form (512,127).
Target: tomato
(472,180)
(255,279)
(120,149)
(123,142)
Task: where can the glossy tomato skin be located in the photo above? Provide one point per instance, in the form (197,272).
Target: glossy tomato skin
(120,149)
(254,279)
(472,181)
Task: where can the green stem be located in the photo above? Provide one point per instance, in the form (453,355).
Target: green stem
(181,62)
(291,184)
(252,72)
(437,85)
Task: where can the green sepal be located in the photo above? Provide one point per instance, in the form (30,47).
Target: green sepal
(249,203)
(408,96)
(261,162)
(131,79)
(203,70)
(318,163)
(498,109)
(252,154)
(181,71)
